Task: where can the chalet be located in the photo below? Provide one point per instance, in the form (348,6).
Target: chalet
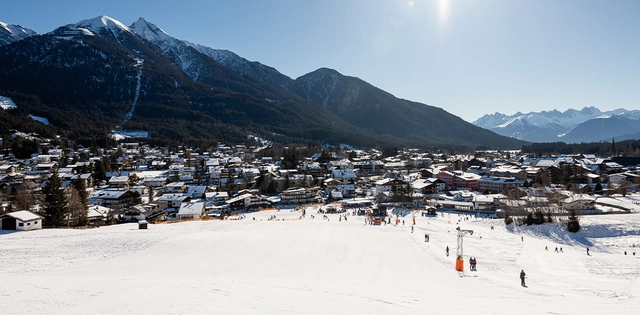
(133,214)
(246,199)
(331,184)
(313,169)
(154,181)
(113,199)
(344,175)
(217,198)
(21,221)
(387,184)
(299,195)
(196,191)
(6,169)
(425,187)
(176,187)
(97,215)
(119,182)
(191,210)
(369,166)
(172,200)
(340,165)
(347,190)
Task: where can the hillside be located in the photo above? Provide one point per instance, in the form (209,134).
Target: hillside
(372,109)
(323,266)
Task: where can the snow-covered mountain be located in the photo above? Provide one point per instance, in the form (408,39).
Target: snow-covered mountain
(553,126)
(183,53)
(143,77)
(10,33)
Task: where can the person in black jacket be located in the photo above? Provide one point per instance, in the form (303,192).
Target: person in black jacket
(522,275)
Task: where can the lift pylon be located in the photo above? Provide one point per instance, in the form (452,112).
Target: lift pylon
(459,250)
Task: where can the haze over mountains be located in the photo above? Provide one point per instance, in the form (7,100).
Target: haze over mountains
(571,126)
(97,75)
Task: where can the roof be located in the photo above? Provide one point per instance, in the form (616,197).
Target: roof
(23,215)
(195,208)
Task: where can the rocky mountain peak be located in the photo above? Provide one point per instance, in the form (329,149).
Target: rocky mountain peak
(10,33)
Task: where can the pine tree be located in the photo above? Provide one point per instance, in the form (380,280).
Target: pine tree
(529,220)
(56,206)
(538,215)
(272,188)
(507,218)
(573,221)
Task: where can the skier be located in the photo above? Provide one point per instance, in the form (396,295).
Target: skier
(412,232)
(587,251)
(447,251)
(475,264)
(471,263)
(522,275)
(556,249)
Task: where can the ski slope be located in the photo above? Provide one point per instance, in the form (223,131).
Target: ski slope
(322,266)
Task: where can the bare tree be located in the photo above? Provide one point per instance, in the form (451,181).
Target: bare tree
(77,209)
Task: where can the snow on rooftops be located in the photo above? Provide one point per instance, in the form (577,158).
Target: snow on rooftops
(24,215)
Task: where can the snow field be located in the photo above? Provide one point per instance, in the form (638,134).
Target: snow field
(319,266)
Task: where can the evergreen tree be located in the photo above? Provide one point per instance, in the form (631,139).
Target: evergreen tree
(529,220)
(272,189)
(56,205)
(573,222)
(539,217)
(287,182)
(598,188)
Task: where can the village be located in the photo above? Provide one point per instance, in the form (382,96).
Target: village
(240,232)
(135,183)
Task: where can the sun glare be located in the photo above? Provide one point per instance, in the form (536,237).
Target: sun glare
(444,7)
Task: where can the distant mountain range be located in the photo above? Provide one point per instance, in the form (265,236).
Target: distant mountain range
(571,126)
(99,75)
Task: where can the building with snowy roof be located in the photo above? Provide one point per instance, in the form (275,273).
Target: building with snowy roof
(21,221)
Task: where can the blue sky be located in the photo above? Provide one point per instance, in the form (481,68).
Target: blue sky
(469,57)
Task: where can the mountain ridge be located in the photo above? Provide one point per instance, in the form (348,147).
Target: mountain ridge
(183,81)
(568,126)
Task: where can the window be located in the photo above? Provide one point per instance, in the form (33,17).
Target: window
(28,223)
(20,224)
(35,223)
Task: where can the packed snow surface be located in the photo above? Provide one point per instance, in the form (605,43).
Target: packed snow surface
(7,103)
(40,119)
(295,265)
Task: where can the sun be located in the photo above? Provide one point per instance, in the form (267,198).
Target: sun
(444,7)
